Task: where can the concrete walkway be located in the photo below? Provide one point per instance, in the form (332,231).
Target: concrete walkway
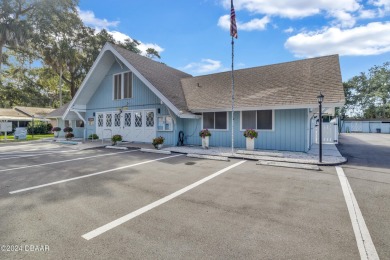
(331,156)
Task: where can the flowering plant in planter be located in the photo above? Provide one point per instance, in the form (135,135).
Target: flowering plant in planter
(116,138)
(68,129)
(250,133)
(158,141)
(69,135)
(204,133)
(56,129)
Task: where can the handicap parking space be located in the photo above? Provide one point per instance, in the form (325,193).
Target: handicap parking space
(233,209)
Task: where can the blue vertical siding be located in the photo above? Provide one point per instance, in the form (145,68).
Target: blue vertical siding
(289,134)
(143,98)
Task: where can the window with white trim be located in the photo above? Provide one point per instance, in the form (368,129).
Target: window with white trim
(164,123)
(123,85)
(257,119)
(215,120)
(79,123)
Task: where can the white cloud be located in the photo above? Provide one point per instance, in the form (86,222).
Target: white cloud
(371,39)
(289,30)
(252,25)
(89,18)
(385,4)
(205,66)
(144,46)
(121,37)
(118,36)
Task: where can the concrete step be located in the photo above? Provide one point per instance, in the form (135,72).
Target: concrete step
(260,153)
(290,165)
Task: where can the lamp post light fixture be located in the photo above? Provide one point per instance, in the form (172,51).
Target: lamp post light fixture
(320,99)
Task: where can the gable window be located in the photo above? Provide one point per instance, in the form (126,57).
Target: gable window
(257,119)
(215,120)
(123,85)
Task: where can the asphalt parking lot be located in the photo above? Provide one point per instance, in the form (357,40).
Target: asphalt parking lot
(111,204)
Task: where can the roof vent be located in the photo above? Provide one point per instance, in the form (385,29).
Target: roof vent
(199,86)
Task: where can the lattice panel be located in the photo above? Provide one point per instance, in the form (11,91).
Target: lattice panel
(128,119)
(100,120)
(150,119)
(117,120)
(138,120)
(108,120)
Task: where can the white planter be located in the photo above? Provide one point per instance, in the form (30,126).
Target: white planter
(205,142)
(250,144)
(56,133)
(159,146)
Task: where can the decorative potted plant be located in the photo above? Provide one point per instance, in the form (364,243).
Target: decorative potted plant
(56,130)
(115,139)
(68,130)
(69,135)
(205,135)
(158,142)
(250,135)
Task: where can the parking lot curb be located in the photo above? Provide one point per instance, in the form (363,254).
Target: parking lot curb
(290,165)
(145,150)
(210,157)
(116,147)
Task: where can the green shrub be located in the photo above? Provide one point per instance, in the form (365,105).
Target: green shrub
(40,127)
(93,137)
(116,138)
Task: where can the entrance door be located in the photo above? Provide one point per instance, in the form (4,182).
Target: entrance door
(138,125)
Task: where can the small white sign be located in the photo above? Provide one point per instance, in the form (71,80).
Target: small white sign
(6,127)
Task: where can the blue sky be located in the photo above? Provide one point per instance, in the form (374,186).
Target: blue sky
(193,35)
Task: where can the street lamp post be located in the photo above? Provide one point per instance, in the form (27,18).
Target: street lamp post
(320,100)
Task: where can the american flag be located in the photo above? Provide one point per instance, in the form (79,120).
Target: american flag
(233,26)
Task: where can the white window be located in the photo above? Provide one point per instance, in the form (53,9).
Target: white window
(257,119)
(164,123)
(215,120)
(68,123)
(123,85)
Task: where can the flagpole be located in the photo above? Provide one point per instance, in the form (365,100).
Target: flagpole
(232,95)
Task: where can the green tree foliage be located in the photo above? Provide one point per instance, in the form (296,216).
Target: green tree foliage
(44,45)
(368,95)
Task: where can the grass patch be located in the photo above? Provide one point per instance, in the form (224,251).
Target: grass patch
(29,138)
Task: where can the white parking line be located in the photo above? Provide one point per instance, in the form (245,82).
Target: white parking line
(36,154)
(365,245)
(90,175)
(70,160)
(119,221)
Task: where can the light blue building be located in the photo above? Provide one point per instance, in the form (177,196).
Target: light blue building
(131,95)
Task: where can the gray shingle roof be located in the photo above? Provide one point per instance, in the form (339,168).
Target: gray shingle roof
(34,111)
(59,112)
(285,84)
(161,76)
